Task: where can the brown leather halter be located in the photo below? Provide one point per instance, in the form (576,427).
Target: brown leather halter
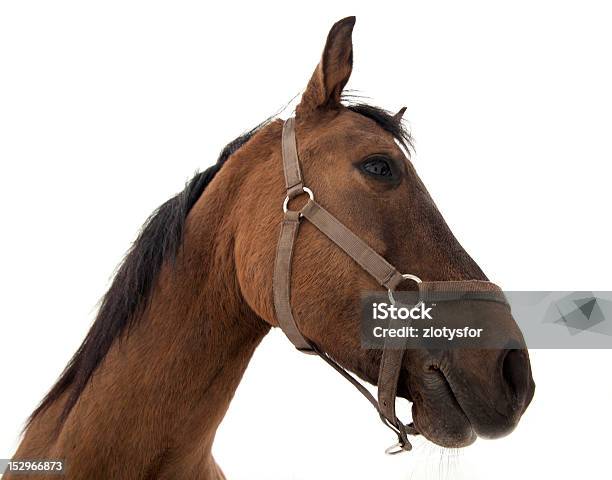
(384,273)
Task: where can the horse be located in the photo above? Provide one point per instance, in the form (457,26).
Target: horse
(147,389)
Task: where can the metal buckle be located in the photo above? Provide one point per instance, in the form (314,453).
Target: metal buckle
(287,199)
(405,276)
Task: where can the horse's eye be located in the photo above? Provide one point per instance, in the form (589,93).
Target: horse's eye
(377,166)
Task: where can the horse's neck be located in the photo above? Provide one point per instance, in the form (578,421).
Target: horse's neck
(155,402)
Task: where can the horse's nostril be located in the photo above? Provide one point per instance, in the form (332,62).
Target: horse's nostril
(515,370)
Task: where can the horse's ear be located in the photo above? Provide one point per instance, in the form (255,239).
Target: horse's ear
(333,71)
(397,118)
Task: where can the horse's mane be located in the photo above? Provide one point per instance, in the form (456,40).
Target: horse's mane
(158,241)
(385,119)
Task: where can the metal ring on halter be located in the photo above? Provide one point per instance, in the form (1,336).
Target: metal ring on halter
(395,449)
(405,276)
(304,190)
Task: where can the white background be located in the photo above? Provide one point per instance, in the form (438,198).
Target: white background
(106,108)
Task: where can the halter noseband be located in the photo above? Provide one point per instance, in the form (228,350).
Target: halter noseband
(384,273)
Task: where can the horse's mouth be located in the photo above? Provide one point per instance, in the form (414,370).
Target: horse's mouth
(438,415)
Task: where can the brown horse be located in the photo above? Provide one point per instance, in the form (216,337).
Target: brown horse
(146,391)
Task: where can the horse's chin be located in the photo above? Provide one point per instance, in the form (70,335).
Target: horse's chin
(437,415)
(457,434)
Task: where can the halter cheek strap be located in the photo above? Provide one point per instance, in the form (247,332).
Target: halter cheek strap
(381,270)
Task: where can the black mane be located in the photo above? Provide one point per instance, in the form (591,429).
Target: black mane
(158,241)
(384,118)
